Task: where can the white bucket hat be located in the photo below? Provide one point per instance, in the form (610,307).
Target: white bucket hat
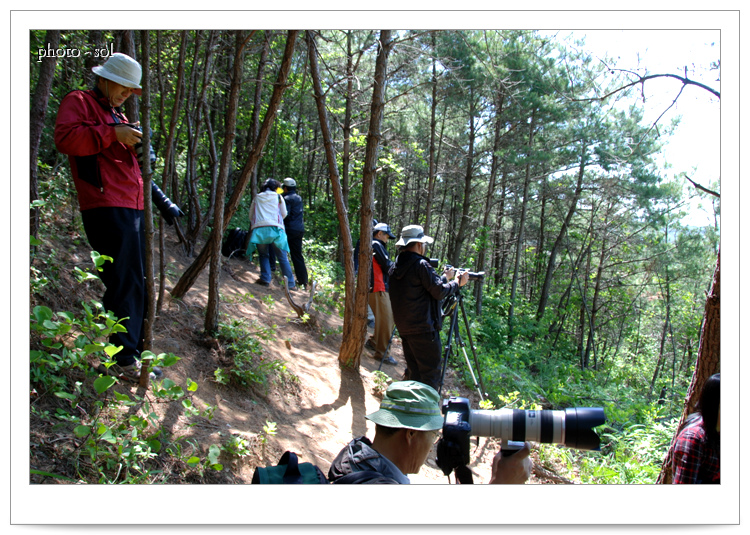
(121,69)
(412,233)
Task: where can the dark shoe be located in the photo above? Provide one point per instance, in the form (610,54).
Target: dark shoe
(262,282)
(131,372)
(390,360)
(370,345)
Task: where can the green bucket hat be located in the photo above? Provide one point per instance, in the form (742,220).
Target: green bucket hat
(411,405)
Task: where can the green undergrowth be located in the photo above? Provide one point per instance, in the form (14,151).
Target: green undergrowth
(247,361)
(89,427)
(531,374)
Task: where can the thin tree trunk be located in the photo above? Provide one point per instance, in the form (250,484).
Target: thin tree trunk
(465,208)
(500,250)
(560,236)
(168,163)
(351,349)
(194,270)
(590,345)
(212,308)
(347,127)
(520,245)
(148,321)
(482,253)
(432,173)
(355,311)
(39,101)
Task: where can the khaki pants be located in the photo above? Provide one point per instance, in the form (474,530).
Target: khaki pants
(381,307)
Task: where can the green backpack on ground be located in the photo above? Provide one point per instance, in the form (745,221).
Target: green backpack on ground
(289,471)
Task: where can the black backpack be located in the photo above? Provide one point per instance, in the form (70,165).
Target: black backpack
(365,477)
(289,471)
(234,243)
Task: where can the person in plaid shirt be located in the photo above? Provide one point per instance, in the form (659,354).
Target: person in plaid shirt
(697,447)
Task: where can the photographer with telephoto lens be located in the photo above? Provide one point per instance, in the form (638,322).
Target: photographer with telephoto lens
(572,427)
(406,426)
(416,292)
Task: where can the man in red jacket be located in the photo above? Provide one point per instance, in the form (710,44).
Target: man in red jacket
(92,130)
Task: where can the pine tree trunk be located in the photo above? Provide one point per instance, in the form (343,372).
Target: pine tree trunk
(355,313)
(455,255)
(150,316)
(194,270)
(351,348)
(39,102)
(431,173)
(551,264)
(212,308)
(707,364)
(168,164)
(520,241)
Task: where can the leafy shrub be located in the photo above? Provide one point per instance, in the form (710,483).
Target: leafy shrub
(247,366)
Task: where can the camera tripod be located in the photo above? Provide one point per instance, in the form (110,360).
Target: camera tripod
(451,307)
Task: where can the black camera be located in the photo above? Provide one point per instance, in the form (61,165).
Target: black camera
(572,427)
(473,276)
(434,262)
(139,148)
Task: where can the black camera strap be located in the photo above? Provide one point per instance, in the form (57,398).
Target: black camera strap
(464,475)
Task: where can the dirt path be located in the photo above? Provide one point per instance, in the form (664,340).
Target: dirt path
(316,415)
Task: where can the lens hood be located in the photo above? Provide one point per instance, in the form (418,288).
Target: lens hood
(579,427)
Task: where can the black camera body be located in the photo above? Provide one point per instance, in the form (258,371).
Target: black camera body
(453,448)
(139,147)
(572,427)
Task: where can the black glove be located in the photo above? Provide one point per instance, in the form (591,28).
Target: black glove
(168,209)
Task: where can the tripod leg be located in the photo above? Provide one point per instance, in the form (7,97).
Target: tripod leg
(461,343)
(448,346)
(387,347)
(473,351)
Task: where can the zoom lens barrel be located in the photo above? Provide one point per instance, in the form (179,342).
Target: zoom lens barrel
(571,427)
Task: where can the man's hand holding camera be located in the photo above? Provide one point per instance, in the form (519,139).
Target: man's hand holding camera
(127,134)
(512,470)
(463,276)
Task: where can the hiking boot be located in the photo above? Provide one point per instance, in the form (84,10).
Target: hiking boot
(262,282)
(132,372)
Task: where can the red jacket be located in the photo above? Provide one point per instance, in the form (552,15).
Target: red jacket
(105,171)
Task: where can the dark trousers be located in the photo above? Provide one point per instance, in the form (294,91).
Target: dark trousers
(423,355)
(298,261)
(119,233)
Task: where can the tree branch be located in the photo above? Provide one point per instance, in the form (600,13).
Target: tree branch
(706,190)
(642,79)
